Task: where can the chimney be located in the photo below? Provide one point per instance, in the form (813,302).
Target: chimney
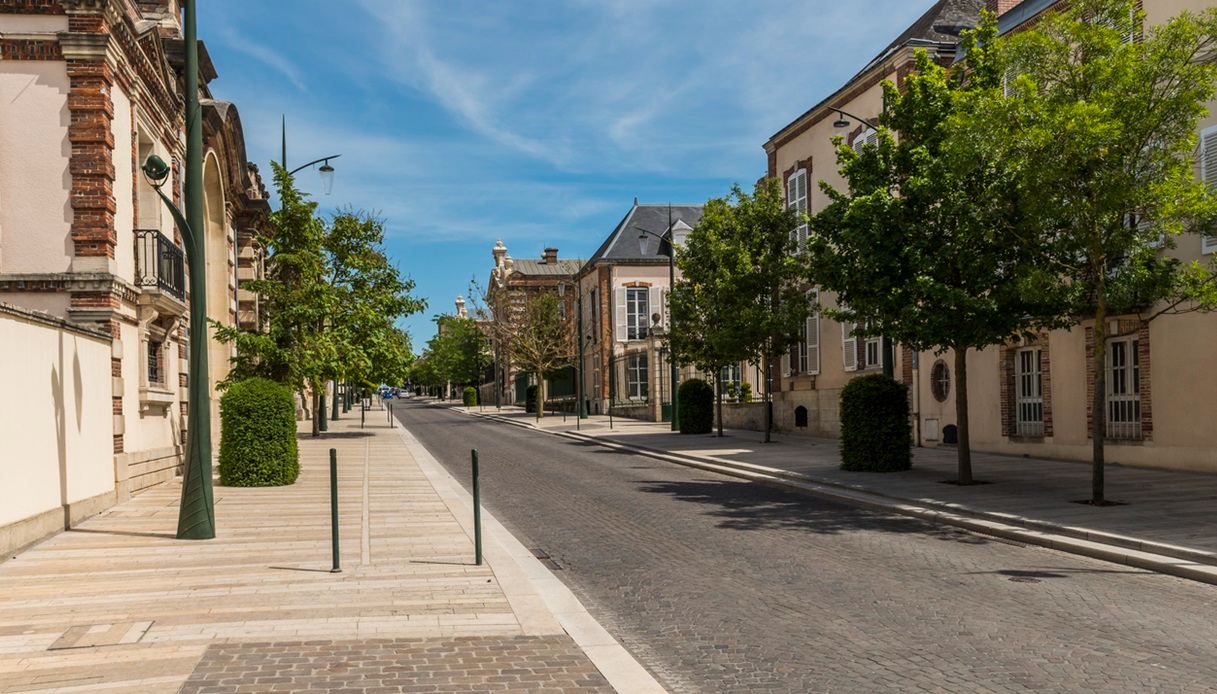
(500,252)
(550,256)
(1000,7)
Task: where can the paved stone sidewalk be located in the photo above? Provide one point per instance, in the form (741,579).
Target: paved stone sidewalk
(1171,508)
(119,605)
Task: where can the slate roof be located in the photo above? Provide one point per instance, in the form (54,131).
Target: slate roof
(622,244)
(528,266)
(940,25)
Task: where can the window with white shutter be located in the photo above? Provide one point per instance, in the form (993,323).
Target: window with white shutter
(849,346)
(796,199)
(870,136)
(1208,174)
(620,316)
(654,306)
(809,349)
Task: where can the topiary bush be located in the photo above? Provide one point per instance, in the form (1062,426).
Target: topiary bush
(695,411)
(469,396)
(530,398)
(876,435)
(258,439)
(745,392)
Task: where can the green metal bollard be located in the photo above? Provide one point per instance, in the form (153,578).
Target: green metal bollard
(477,512)
(363,414)
(334,509)
(391,423)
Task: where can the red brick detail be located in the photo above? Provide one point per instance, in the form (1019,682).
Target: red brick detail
(1147,414)
(117,404)
(95,300)
(116,367)
(27,49)
(1000,7)
(92,160)
(118,443)
(31,7)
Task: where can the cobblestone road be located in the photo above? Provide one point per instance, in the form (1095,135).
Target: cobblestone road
(716,584)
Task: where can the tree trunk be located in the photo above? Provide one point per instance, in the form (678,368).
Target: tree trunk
(316,412)
(964,448)
(768,397)
(718,396)
(1098,406)
(540,395)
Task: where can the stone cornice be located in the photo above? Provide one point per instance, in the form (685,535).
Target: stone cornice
(70,282)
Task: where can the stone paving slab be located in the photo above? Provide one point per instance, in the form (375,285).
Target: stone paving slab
(471,664)
(126,607)
(1162,508)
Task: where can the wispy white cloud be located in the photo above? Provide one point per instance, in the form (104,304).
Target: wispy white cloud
(267,56)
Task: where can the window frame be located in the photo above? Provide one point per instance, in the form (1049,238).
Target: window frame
(798,201)
(1208,242)
(1029,392)
(637,325)
(1123,396)
(637,376)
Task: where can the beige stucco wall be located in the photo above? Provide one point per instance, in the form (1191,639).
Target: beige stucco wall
(57,434)
(35,214)
(124,214)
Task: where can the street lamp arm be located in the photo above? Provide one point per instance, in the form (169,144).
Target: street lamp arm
(847,114)
(179,219)
(661,237)
(298,169)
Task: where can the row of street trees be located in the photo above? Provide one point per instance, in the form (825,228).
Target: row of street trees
(332,300)
(1038,184)
(459,353)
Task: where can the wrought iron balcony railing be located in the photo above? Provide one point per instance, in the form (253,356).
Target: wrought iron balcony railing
(159,263)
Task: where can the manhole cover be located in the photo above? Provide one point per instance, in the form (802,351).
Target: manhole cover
(93,635)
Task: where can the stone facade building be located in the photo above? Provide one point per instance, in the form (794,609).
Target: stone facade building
(90,89)
(511,283)
(1030,398)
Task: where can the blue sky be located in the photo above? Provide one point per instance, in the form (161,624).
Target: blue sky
(534,121)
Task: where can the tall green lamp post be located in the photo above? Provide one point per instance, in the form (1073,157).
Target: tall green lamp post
(327,186)
(643,244)
(196,515)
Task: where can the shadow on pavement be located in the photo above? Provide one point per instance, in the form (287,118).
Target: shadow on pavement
(747,506)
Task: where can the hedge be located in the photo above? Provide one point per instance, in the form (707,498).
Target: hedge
(530,398)
(876,435)
(469,396)
(258,439)
(695,411)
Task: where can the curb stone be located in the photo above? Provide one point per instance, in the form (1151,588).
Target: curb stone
(1182,562)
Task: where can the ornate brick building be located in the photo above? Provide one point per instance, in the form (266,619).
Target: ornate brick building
(90,89)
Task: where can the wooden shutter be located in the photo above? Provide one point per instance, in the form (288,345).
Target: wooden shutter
(619,313)
(1208,173)
(653,307)
(786,365)
(813,333)
(849,347)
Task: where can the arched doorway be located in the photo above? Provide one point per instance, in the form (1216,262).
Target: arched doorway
(220,296)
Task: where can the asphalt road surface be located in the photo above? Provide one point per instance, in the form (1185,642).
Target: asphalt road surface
(720,585)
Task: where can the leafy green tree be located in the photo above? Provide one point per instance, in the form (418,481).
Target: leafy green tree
(543,341)
(928,244)
(704,304)
(758,255)
(1101,131)
(331,299)
(460,349)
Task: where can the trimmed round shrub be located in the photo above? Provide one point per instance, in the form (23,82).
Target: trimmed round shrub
(258,439)
(530,398)
(876,435)
(695,411)
(469,396)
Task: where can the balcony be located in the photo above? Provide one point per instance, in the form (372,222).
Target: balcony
(160,272)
